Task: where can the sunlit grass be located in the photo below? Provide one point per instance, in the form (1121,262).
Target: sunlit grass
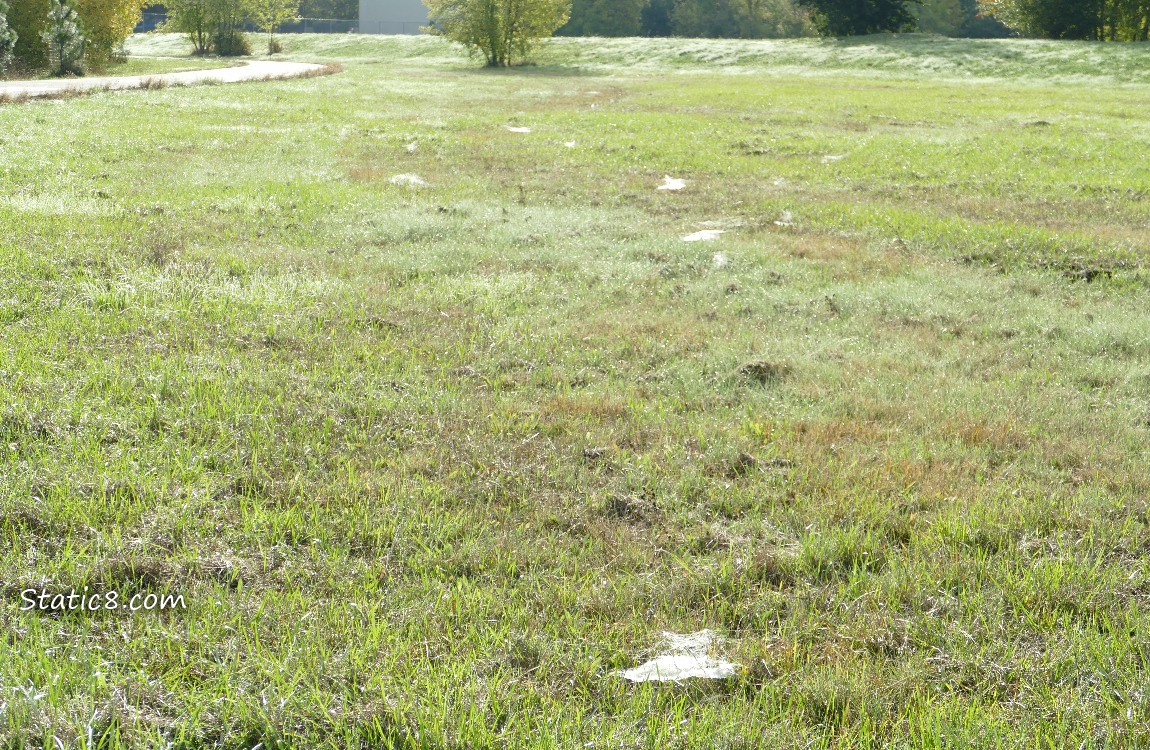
(431,464)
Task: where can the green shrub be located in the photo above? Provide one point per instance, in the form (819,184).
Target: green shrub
(504,31)
(231,43)
(211,25)
(107,24)
(27,18)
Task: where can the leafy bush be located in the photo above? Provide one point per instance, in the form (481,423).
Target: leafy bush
(231,42)
(504,31)
(28,18)
(211,25)
(107,24)
(228,16)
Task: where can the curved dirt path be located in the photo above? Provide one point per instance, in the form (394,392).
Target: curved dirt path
(257,70)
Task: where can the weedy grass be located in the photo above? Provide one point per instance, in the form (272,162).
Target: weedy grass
(429,464)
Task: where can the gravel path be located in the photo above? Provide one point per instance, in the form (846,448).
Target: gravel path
(252,71)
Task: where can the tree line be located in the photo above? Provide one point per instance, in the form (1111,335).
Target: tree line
(66,37)
(73,37)
(1125,20)
(1098,20)
(765,19)
(1112,20)
(216,26)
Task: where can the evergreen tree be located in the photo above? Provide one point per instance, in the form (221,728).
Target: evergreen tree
(64,38)
(850,17)
(7,39)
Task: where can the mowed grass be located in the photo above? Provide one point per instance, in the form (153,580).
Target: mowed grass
(142,66)
(430,464)
(151,65)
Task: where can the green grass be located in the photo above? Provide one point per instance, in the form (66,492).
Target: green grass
(144,66)
(430,464)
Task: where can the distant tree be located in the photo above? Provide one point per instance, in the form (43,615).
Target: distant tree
(1111,20)
(614,18)
(347,10)
(851,17)
(107,24)
(704,18)
(28,19)
(228,18)
(504,31)
(980,25)
(64,38)
(7,39)
(576,19)
(656,18)
(211,25)
(269,15)
(751,19)
(939,16)
(758,19)
(192,18)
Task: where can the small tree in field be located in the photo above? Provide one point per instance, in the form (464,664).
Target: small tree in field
(503,30)
(210,25)
(7,39)
(64,39)
(269,15)
(228,17)
(192,19)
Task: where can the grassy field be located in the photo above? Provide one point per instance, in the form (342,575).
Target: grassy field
(431,463)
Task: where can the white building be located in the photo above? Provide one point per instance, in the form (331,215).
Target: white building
(391,16)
